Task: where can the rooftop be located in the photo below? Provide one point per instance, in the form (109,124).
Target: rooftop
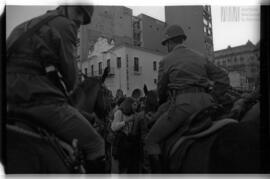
(248,47)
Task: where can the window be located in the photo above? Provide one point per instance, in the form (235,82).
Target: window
(209,32)
(206,8)
(109,64)
(155,66)
(137,36)
(235,60)
(205,21)
(85,71)
(92,70)
(118,62)
(136,64)
(204,29)
(242,59)
(229,60)
(155,81)
(253,70)
(224,63)
(100,68)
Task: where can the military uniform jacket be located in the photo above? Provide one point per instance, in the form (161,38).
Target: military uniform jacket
(184,68)
(53,43)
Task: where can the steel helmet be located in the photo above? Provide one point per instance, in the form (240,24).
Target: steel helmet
(172,32)
(88,12)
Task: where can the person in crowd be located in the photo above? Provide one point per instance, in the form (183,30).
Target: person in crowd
(126,142)
(119,95)
(42,71)
(136,94)
(141,104)
(183,77)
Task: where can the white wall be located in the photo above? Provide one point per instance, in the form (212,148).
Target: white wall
(147,75)
(124,78)
(237,80)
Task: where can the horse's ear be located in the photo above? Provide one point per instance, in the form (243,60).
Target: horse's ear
(82,76)
(145,90)
(105,74)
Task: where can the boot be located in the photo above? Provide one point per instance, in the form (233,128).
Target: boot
(156,164)
(95,166)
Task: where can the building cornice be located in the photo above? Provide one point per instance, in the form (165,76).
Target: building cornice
(140,15)
(137,48)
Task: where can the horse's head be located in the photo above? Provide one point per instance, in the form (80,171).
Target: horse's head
(151,101)
(104,102)
(91,95)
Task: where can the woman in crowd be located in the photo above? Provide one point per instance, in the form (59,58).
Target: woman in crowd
(126,142)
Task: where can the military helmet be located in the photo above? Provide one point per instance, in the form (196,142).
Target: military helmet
(88,12)
(172,32)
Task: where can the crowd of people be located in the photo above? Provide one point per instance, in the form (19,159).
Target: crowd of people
(129,124)
(42,72)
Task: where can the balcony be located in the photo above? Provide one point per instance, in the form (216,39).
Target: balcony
(137,71)
(111,71)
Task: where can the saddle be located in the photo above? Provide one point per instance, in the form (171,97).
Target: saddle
(202,124)
(211,130)
(70,154)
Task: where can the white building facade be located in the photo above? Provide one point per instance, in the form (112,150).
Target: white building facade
(130,67)
(238,80)
(242,59)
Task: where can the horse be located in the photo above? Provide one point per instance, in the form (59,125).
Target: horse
(233,148)
(99,101)
(32,149)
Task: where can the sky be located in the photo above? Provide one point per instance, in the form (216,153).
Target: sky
(225,32)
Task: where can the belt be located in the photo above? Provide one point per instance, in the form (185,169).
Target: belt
(188,90)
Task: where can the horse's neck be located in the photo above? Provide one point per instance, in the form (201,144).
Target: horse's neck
(83,101)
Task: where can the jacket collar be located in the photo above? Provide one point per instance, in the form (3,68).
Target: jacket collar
(179,46)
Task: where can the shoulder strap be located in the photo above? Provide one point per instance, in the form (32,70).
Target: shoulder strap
(23,37)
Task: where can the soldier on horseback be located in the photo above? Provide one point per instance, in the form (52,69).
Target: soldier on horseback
(42,70)
(184,75)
